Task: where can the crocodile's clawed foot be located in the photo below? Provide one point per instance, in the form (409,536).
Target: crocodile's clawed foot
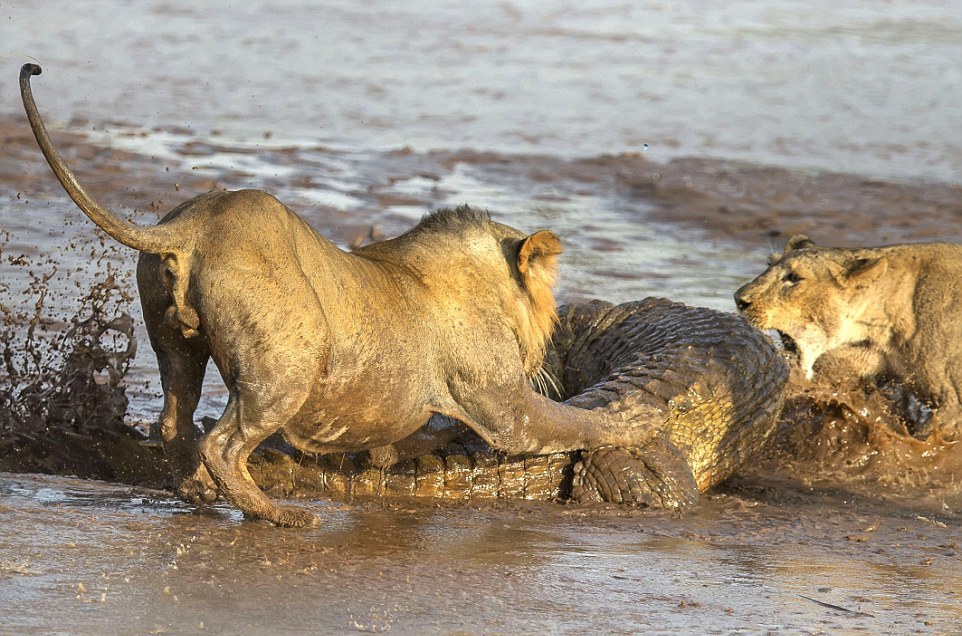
(656,475)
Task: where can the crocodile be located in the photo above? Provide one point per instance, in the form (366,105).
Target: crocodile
(717,383)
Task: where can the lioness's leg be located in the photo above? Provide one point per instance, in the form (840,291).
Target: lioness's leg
(182,376)
(253,413)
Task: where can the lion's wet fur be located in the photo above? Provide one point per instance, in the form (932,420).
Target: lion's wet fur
(340,351)
(882,314)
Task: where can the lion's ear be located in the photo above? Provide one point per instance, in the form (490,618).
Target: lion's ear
(539,249)
(865,270)
(798,242)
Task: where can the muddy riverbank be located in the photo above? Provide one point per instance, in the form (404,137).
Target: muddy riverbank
(842,526)
(672,146)
(806,564)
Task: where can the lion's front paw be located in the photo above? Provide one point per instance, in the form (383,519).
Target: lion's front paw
(198,488)
(289,517)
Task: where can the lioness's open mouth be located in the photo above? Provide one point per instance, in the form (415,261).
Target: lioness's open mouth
(788,343)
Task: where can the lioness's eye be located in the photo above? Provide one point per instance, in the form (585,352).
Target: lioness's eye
(791,277)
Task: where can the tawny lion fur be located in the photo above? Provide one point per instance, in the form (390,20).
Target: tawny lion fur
(892,312)
(339,351)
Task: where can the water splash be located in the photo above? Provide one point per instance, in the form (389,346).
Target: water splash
(62,392)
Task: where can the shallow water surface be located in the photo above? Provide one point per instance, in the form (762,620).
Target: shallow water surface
(78,556)
(859,86)
(644,134)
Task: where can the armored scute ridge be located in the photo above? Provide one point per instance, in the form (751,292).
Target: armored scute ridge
(716,384)
(458,472)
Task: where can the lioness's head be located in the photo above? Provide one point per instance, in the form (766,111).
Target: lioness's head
(818,299)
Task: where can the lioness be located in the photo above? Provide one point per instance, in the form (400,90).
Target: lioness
(892,313)
(339,351)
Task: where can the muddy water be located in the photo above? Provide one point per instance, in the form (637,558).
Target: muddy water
(856,87)
(671,145)
(82,557)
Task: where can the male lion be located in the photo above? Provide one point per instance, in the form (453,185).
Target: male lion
(886,313)
(339,351)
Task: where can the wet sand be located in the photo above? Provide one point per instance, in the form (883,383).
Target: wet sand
(825,543)
(671,147)
(77,557)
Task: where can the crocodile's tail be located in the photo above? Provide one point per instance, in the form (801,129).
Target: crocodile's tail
(157,240)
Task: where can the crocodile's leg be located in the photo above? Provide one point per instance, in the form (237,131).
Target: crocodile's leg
(656,475)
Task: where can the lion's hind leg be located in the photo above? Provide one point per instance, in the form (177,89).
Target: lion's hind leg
(270,340)
(253,413)
(182,376)
(182,362)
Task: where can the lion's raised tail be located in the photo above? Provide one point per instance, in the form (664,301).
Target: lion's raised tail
(155,240)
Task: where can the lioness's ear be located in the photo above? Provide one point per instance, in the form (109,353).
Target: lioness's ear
(865,270)
(539,248)
(798,242)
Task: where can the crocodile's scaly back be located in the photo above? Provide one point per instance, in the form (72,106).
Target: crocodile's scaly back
(718,381)
(715,384)
(461,471)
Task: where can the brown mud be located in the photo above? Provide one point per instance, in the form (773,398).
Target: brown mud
(758,207)
(85,557)
(845,524)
